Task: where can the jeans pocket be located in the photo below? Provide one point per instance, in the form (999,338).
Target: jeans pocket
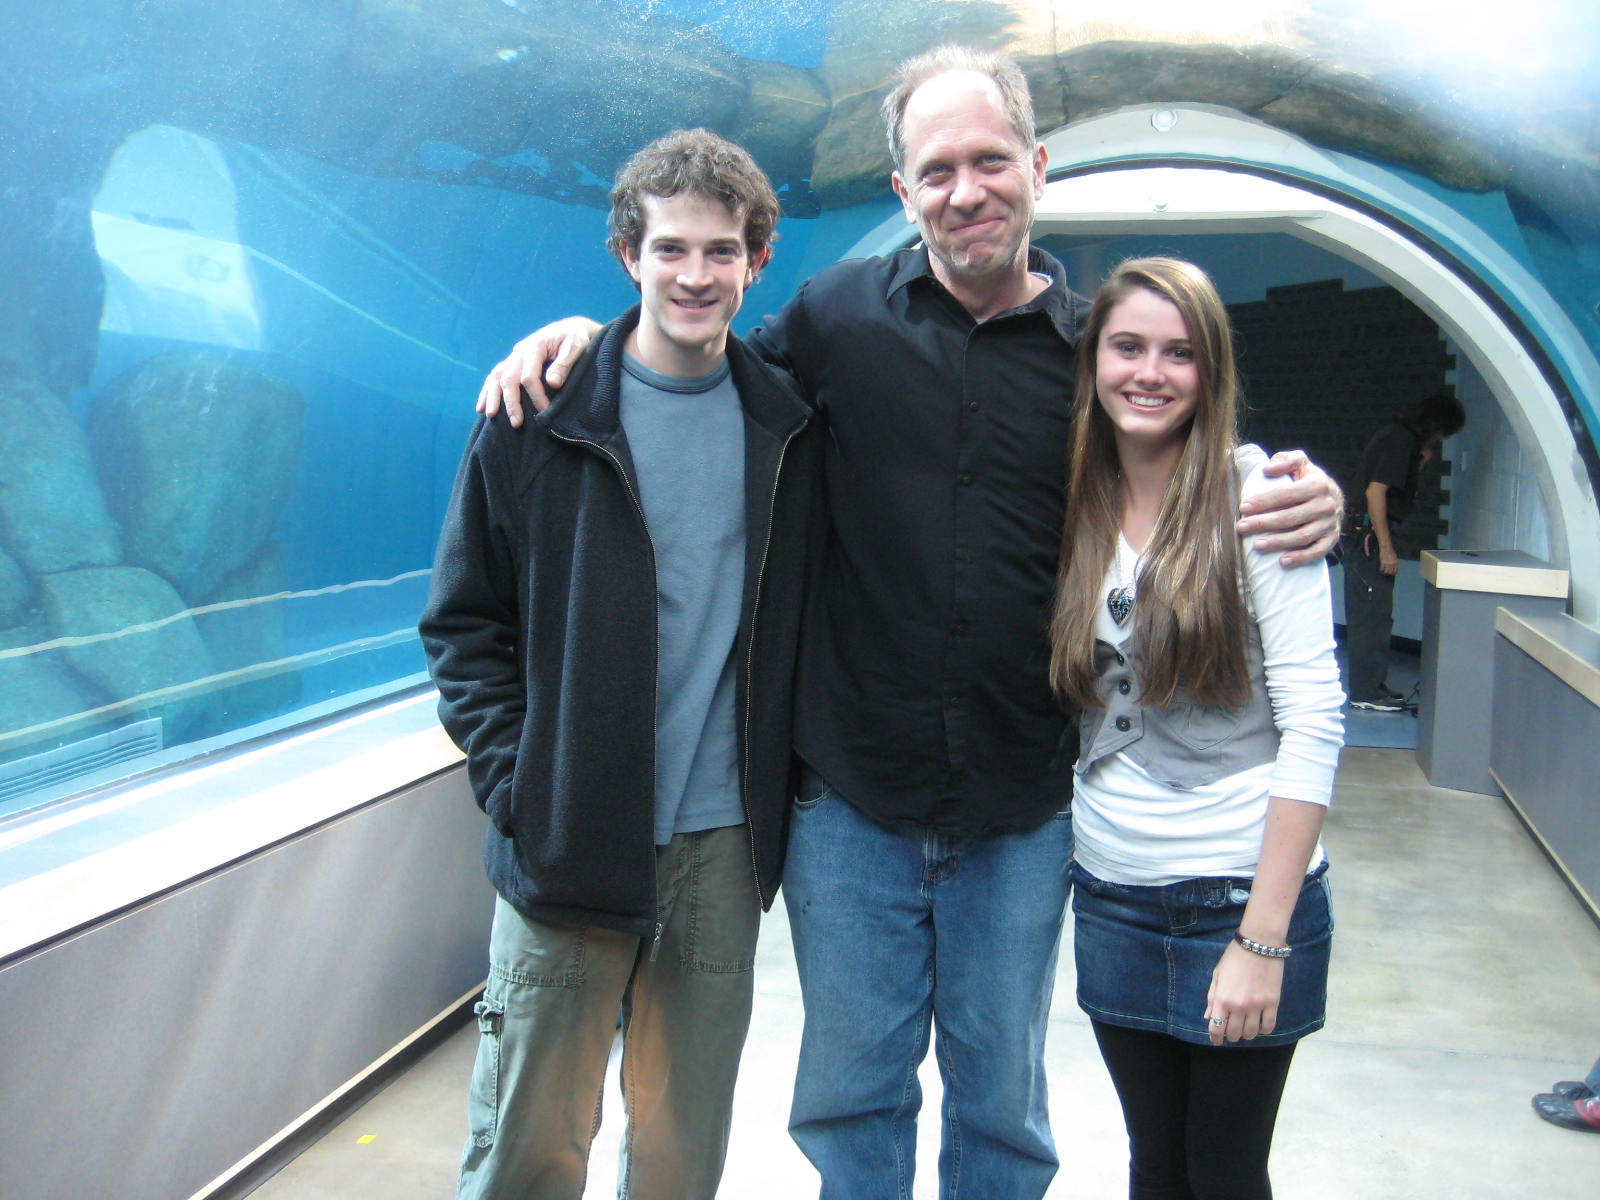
(814,789)
(1313,912)
(483,1097)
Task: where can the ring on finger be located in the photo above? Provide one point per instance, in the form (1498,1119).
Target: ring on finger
(1219,1020)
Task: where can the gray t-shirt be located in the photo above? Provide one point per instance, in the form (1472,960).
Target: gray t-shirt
(686,437)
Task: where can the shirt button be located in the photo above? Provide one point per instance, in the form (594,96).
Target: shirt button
(964,479)
(1121,661)
(1124,724)
(1124,686)
(958,626)
(972,406)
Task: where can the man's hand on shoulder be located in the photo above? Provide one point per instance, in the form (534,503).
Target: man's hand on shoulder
(1300,516)
(543,358)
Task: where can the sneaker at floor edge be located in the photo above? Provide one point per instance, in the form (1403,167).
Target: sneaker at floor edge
(1383,704)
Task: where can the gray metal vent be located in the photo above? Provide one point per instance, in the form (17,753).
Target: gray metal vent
(37,772)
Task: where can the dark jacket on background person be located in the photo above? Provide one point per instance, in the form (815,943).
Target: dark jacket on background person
(540,630)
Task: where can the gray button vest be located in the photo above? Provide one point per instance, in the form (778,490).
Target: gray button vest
(1187,744)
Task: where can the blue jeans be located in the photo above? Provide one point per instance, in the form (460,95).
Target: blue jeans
(898,928)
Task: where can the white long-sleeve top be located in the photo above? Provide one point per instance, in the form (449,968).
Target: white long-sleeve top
(1131,829)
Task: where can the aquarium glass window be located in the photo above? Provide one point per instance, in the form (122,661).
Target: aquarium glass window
(256,257)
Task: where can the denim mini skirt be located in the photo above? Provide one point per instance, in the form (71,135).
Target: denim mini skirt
(1145,954)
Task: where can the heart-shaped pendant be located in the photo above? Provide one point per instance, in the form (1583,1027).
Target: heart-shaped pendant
(1119,603)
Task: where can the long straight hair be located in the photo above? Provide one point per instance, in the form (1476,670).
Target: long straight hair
(1189,618)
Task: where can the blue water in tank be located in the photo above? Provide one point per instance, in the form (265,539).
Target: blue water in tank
(326,222)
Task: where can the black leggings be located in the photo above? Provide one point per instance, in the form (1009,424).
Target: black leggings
(1199,1118)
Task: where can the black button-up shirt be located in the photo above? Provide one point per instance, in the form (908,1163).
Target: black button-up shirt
(923,691)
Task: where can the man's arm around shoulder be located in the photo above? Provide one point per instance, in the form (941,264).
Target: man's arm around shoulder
(1301,516)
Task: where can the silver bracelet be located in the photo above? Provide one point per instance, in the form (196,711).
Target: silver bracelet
(1258,948)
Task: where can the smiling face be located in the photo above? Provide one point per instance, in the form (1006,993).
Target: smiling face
(692,268)
(1146,377)
(968,181)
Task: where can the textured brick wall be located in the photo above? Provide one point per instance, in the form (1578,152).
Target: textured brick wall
(1324,368)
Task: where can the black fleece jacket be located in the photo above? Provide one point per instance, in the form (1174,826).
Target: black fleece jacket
(540,630)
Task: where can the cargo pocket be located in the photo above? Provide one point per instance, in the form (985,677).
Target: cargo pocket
(483,1099)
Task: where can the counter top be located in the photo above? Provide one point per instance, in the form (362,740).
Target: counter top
(1508,572)
(1567,648)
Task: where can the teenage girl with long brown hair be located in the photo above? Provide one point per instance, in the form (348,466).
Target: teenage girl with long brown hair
(1211,729)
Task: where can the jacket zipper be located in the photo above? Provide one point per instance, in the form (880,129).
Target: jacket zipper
(750,655)
(655,673)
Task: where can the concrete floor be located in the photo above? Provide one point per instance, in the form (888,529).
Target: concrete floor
(1466,978)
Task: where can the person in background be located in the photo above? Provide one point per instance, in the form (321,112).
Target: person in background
(927,873)
(1210,734)
(1572,1103)
(612,624)
(1390,466)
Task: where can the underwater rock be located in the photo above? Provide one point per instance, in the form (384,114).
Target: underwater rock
(112,605)
(52,514)
(852,162)
(36,691)
(1356,114)
(548,96)
(536,96)
(197,454)
(1338,109)
(13,592)
(784,110)
(868,41)
(569,107)
(248,634)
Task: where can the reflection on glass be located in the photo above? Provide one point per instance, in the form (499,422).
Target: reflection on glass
(255,256)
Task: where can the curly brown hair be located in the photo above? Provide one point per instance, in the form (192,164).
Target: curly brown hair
(697,162)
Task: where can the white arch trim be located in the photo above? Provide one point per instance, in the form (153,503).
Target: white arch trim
(1208,198)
